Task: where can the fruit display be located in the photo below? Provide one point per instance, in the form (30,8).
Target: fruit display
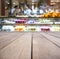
(55,28)
(31,28)
(20,21)
(20,28)
(7,28)
(45,21)
(45,28)
(51,14)
(10,21)
(30,21)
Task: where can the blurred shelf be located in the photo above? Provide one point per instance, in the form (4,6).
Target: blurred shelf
(29,24)
(27,16)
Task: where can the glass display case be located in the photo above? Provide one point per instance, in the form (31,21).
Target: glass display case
(30,24)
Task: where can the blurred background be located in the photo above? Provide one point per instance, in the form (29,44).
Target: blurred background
(29,24)
(42,8)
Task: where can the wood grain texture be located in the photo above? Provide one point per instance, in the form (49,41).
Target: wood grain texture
(17,45)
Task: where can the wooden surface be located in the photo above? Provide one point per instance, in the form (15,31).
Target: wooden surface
(29,45)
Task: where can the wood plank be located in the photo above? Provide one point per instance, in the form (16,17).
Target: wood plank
(17,45)
(44,49)
(19,49)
